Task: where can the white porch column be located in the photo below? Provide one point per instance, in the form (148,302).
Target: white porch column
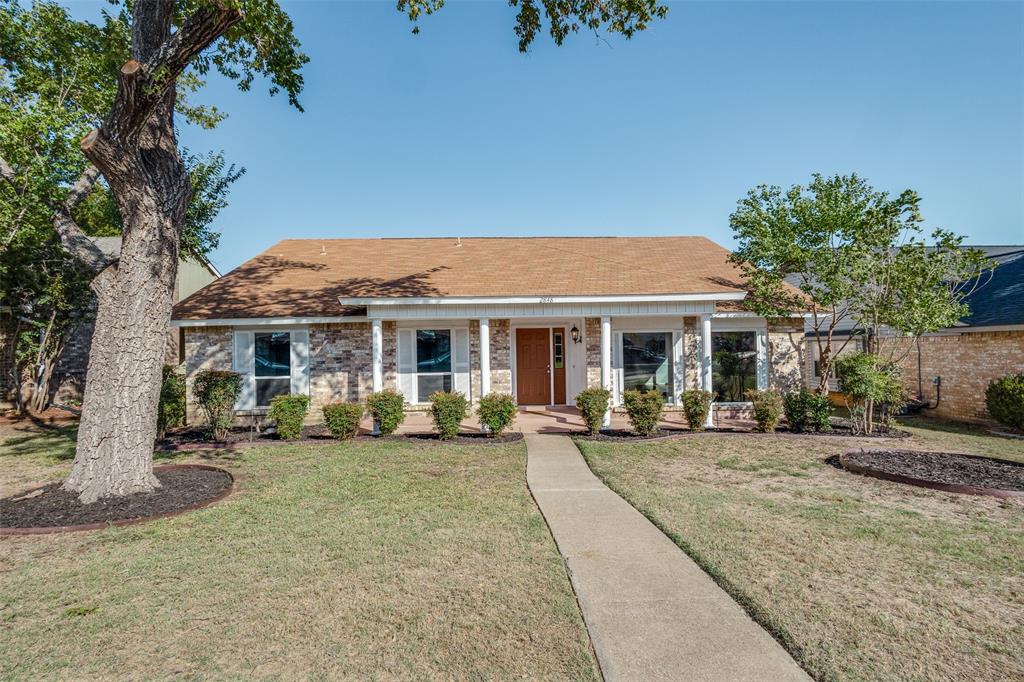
(606,366)
(378,363)
(705,363)
(485,357)
(485,362)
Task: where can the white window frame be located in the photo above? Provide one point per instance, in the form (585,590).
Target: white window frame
(243,349)
(256,379)
(416,361)
(678,360)
(760,330)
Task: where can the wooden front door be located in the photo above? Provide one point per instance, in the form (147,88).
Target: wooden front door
(533,366)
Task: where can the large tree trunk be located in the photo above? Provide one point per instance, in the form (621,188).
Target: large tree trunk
(137,153)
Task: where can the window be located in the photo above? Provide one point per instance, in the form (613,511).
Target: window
(559,350)
(647,362)
(433,362)
(733,365)
(273,366)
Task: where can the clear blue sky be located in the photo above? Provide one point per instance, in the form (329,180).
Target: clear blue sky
(453,132)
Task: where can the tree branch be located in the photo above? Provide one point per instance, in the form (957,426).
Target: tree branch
(72,238)
(142,86)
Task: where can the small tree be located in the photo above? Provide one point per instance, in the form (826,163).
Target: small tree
(216,392)
(857,258)
(870,382)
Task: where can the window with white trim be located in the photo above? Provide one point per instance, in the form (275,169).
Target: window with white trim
(647,362)
(273,369)
(733,365)
(433,362)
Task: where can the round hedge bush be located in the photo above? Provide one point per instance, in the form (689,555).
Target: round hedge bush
(1005,400)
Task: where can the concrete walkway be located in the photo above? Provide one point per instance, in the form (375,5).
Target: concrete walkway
(652,613)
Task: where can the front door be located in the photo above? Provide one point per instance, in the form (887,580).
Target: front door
(533,366)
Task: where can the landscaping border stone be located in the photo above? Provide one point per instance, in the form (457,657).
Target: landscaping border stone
(48,530)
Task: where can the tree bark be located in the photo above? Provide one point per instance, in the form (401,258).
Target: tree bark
(136,151)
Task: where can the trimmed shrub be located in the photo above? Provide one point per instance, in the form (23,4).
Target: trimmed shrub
(388,410)
(696,406)
(1005,400)
(342,419)
(807,411)
(497,411)
(767,409)
(216,392)
(592,404)
(171,408)
(644,410)
(448,411)
(874,389)
(288,413)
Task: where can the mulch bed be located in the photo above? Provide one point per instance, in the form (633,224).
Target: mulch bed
(952,472)
(198,439)
(842,427)
(627,436)
(50,509)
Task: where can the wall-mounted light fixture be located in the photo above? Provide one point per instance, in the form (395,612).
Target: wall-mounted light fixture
(575,334)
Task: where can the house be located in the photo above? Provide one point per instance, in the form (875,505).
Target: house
(950,369)
(68,382)
(540,318)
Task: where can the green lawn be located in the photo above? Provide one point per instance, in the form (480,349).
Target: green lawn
(361,560)
(862,579)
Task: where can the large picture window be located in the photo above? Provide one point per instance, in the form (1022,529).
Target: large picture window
(273,366)
(647,362)
(433,362)
(733,365)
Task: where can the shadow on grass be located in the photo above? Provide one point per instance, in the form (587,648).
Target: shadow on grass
(51,443)
(944,425)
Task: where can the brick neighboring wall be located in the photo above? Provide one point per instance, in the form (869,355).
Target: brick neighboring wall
(501,357)
(967,363)
(592,331)
(786,355)
(691,353)
(340,364)
(205,348)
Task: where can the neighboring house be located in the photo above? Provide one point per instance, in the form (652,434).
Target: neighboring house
(69,373)
(950,369)
(540,318)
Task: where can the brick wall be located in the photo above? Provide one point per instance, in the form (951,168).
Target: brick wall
(966,362)
(691,353)
(501,356)
(786,354)
(340,364)
(592,331)
(205,348)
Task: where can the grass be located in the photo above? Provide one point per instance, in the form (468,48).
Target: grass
(385,560)
(861,579)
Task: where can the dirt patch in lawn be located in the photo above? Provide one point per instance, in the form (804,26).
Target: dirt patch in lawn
(948,471)
(182,487)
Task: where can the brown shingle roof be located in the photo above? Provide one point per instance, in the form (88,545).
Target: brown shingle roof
(305,277)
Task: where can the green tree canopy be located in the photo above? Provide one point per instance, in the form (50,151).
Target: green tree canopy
(858,256)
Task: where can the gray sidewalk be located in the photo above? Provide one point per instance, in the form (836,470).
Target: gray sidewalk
(652,613)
